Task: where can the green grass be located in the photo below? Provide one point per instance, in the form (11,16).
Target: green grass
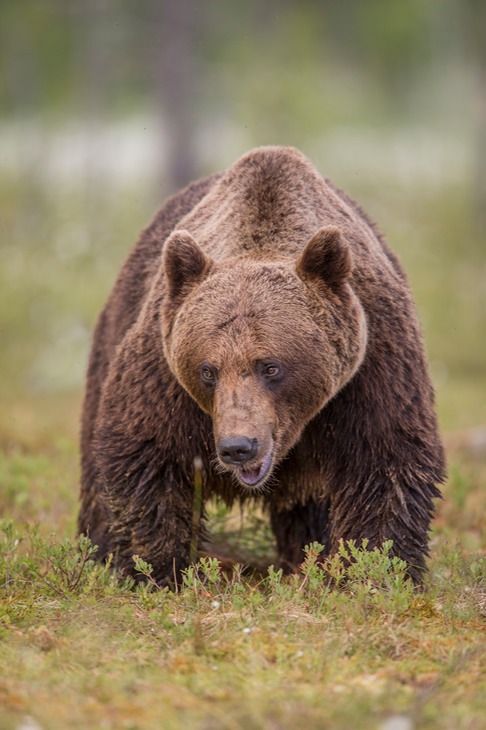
(79,649)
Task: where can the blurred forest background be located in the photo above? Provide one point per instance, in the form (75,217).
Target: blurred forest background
(107,106)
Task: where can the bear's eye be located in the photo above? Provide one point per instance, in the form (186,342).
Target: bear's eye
(270,370)
(207,374)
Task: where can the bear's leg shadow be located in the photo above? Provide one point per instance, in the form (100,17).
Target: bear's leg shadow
(297,527)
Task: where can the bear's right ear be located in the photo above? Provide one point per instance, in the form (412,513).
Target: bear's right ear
(326,257)
(184,263)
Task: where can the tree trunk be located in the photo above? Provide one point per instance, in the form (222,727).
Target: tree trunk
(175,88)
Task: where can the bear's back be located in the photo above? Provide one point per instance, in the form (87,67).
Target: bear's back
(271,202)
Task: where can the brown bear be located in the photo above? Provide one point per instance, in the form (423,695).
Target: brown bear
(262,325)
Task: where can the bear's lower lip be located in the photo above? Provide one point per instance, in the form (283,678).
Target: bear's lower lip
(254,475)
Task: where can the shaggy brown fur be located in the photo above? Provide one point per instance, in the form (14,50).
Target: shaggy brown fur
(262,324)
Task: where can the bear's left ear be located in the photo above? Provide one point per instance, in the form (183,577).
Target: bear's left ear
(326,257)
(184,263)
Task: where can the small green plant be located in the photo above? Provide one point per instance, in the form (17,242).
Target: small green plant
(376,577)
(62,568)
(274,581)
(145,569)
(210,571)
(65,567)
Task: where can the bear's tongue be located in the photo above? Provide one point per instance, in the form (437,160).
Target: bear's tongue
(254,475)
(250,476)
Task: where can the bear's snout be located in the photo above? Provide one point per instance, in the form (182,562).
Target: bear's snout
(237,450)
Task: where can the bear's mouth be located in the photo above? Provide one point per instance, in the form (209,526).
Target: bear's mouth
(254,475)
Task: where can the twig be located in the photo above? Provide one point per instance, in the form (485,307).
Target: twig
(196,509)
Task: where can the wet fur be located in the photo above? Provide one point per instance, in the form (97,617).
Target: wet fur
(366,465)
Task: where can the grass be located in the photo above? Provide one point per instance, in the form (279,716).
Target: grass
(79,649)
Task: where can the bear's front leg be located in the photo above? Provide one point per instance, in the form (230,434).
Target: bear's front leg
(151,509)
(147,434)
(391,504)
(384,458)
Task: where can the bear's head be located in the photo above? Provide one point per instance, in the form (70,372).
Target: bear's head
(261,344)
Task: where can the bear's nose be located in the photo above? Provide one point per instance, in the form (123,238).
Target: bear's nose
(237,450)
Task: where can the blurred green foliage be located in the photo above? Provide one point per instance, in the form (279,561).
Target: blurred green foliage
(246,58)
(107,105)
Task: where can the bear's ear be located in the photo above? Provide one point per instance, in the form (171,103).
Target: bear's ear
(326,257)
(184,263)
